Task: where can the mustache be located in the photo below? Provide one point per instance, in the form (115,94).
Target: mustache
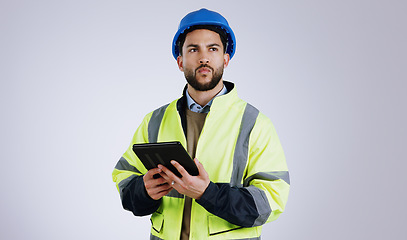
(204,66)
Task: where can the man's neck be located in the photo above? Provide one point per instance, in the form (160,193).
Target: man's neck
(203,97)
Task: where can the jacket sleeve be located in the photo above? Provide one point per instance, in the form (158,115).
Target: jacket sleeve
(128,176)
(235,205)
(136,199)
(262,195)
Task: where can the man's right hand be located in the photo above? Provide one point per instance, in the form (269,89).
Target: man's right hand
(156,187)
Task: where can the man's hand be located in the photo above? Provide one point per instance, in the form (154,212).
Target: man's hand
(156,187)
(191,186)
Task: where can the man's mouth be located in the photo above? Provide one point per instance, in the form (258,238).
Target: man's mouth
(204,69)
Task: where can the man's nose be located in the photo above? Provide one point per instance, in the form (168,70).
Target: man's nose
(204,59)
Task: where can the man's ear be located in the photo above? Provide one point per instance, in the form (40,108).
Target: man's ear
(179,62)
(226,59)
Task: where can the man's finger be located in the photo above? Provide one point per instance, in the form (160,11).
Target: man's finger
(180,168)
(198,164)
(165,177)
(168,175)
(152,172)
(201,168)
(160,194)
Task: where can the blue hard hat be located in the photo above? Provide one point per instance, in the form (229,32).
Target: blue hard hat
(205,17)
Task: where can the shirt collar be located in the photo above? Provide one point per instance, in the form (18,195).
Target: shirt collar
(195,107)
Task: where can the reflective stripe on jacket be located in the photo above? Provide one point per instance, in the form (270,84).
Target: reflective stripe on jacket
(241,152)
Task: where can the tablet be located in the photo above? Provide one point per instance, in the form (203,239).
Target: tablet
(152,154)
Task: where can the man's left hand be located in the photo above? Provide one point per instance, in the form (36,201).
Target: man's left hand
(191,186)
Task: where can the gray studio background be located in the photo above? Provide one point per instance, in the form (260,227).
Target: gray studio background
(78,76)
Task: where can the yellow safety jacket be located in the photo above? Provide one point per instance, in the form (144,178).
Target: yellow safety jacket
(240,150)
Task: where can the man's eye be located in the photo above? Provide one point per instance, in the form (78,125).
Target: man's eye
(192,50)
(213,49)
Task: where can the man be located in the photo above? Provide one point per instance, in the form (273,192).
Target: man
(243,179)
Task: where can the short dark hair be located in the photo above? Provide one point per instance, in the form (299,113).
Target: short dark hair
(222,34)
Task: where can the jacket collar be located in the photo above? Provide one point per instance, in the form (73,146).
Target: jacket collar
(217,102)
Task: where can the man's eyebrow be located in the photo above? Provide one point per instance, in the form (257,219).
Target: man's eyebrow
(192,45)
(209,45)
(213,45)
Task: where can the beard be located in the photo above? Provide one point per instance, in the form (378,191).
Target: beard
(190,76)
